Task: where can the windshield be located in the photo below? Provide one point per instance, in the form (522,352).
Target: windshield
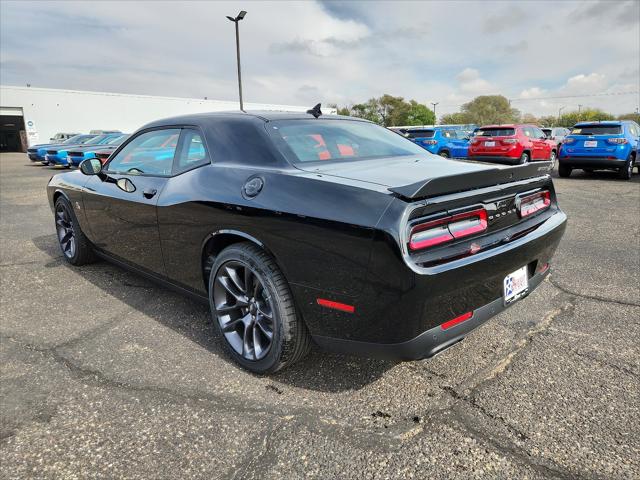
(333,140)
(78,140)
(117,140)
(597,130)
(495,132)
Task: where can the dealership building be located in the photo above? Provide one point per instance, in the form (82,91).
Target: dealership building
(33,115)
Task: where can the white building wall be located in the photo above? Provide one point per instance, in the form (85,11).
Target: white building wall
(49,111)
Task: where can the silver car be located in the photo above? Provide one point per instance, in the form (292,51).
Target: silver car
(556,133)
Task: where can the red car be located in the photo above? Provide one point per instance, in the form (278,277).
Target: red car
(512,144)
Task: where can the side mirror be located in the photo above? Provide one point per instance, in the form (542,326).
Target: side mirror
(91,166)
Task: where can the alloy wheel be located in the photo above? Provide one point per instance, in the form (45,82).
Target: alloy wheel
(243,309)
(64,229)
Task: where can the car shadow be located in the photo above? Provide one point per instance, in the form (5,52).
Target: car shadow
(319,371)
(600,175)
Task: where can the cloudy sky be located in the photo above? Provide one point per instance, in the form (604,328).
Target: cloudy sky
(342,52)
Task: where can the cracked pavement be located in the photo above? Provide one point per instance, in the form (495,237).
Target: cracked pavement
(106,375)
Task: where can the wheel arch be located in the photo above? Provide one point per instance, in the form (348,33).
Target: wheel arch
(60,193)
(217,241)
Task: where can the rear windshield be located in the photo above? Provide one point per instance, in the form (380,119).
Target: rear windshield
(547,131)
(334,140)
(597,130)
(420,133)
(495,132)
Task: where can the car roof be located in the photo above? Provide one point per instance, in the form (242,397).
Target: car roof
(603,122)
(266,116)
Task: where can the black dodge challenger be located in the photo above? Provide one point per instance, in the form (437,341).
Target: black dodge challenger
(301,227)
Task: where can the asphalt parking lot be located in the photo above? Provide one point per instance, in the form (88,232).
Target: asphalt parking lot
(104,374)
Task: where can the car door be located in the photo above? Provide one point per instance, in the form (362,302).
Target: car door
(120,203)
(541,148)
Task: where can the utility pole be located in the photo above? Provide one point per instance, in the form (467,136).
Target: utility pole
(435,122)
(236,20)
(559,114)
(579,109)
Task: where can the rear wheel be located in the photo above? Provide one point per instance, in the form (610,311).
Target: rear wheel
(524,158)
(564,170)
(253,310)
(552,159)
(627,170)
(75,247)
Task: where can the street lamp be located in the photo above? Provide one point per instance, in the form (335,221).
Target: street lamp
(435,122)
(560,113)
(236,20)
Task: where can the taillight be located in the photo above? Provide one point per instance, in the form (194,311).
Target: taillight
(568,140)
(534,203)
(446,229)
(509,140)
(617,141)
(429,142)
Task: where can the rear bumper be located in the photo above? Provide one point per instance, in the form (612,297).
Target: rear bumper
(592,162)
(427,343)
(494,159)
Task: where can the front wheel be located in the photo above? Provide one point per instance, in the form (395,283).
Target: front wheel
(444,154)
(253,310)
(75,247)
(564,170)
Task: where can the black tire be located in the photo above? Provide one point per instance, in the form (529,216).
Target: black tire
(553,156)
(77,249)
(524,158)
(626,171)
(290,341)
(564,170)
(444,154)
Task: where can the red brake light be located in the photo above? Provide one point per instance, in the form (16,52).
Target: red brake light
(568,140)
(534,203)
(447,229)
(509,140)
(617,141)
(457,320)
(430,142)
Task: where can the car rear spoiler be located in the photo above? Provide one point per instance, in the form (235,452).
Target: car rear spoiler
(432,187)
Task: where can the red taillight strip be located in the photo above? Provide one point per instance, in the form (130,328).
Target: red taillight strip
(343,307)
(534,203)
(462,318)
(449,228)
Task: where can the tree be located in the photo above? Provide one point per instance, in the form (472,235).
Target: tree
(569,119)
(630,116)
(456,119)
(529,118)
(420,114)
(548,121)
(490,109)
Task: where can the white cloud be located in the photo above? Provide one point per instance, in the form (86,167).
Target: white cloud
(310,51)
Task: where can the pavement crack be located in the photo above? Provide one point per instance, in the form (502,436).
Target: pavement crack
(596,298)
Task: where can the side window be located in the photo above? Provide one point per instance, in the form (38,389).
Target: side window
(192,152)
(527,131)
(150,153)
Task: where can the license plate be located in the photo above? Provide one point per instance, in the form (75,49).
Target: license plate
(516,285)
(489,144)
(590,143)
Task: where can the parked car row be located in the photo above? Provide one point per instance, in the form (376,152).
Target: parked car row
(72,151)
(589,146)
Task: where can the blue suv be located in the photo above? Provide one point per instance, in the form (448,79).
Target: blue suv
(443,141)
(590,146)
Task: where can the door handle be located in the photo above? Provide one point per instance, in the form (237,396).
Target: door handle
(149,193)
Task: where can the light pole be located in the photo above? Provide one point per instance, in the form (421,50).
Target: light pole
(236,20)
(560,113)
(579,108)
(435,122)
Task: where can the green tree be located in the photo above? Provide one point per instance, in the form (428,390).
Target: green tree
(420,114)
(393,110)
(548,121)
(569,119)
(490,109)
(456,118)
(630,116)
(529,118)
